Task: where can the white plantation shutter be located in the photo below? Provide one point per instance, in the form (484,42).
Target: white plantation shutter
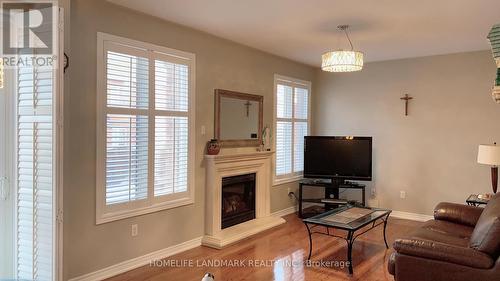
(144,133)
(171,86)
(127,100)
(171,129)
(284,135)
(300,131)
(126,158)
(35,186)
(292,124)
(301,105)
(284,100)
(171,138)
(127,81)
(284,129)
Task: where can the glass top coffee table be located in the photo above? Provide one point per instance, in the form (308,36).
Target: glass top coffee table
(351,219)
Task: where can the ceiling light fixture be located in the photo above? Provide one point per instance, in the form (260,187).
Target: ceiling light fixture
(341,60)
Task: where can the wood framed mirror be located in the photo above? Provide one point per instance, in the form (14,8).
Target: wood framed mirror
(238,118)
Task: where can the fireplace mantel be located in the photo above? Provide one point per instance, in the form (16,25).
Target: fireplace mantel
(233,164)
(236,157)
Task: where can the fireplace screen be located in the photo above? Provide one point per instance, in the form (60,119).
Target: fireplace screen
(238,199)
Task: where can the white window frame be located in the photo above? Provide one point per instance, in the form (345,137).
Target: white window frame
(107,213)
(292,82)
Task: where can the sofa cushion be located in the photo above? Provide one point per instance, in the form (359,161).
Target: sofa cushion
(486,234)
(444,232)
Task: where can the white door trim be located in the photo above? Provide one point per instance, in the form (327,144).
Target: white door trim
(59,151)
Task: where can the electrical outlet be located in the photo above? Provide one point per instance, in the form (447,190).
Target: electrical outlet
(373,192)
(135,230)
(203,130)
(402,194)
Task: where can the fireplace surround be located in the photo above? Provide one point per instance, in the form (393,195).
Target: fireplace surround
(230,166)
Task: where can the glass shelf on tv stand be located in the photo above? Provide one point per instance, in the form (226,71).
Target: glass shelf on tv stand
(331,199)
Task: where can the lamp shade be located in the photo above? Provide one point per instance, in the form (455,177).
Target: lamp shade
(342,61)
(489,154)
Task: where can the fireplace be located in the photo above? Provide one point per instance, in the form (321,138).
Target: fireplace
(238,200)
(229,174)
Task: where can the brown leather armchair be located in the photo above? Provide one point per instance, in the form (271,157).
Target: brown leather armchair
(462,243)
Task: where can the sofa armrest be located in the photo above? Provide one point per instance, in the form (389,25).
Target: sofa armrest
(443,252)
(457,213)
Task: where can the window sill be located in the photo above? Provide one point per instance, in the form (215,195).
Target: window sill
(282,181)
(119,215)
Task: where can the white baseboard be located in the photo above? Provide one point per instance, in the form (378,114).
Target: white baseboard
(284,212)
(411,216)
(138,262)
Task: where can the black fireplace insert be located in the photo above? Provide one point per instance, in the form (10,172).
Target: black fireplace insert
(238,199)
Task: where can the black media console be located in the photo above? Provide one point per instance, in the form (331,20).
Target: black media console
(331,198)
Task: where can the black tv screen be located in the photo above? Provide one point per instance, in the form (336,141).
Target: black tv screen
(347,158)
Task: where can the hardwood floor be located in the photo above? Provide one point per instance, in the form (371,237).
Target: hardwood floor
(278,254)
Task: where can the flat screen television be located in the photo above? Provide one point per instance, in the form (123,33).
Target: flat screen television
(344,158)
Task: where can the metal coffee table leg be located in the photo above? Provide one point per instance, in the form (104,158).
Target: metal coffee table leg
(385,226)
(310,241)
(350,242)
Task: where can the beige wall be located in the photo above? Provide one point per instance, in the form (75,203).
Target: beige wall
(219,64)
(431,154)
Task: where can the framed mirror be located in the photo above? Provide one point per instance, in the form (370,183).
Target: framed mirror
(238,118)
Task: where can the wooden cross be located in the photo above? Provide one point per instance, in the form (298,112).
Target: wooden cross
(406,98)
(248,104)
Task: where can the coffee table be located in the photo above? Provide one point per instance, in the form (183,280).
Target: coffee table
(350,219)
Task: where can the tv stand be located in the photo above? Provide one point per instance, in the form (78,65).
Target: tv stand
(331,192)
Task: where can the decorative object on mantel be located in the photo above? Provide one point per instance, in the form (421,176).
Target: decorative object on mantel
(494,38)
(266,138)
(213,147)
(490,155)
(342,60)
(406,98)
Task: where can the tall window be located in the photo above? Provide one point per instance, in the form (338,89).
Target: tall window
(292,124)
(145,124)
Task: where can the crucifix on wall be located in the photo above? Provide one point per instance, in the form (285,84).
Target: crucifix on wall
(406,98)
(248,104)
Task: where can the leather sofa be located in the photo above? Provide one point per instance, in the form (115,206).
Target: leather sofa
(462,243)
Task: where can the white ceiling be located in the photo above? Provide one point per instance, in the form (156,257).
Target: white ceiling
(302,30)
